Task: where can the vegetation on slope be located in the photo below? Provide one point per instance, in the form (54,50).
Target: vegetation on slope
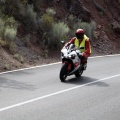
(32,29)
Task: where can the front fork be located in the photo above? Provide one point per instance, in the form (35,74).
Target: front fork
(69,66)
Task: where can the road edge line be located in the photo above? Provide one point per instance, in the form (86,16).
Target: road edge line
(52,64)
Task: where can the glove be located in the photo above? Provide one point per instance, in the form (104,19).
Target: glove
(81,54)
(84,55)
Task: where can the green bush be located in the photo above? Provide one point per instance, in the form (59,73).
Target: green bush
(88,27)
(3,43)
(2,5)
(57,33)
(8,32)
(47,22)
(50,11)
(19,58)
(23,1)
(27,40)
(59,30)
(1,28)
(10,7)
(10,28)
(29,18)
(71,21)
(10,22)
(31,15)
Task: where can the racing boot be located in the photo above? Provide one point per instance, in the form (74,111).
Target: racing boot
(84,66)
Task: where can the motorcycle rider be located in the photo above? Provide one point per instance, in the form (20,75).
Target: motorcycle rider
(82,42)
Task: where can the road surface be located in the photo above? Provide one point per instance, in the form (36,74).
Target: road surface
(38,94)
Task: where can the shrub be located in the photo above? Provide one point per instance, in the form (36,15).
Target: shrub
(7,66)
(10,7)
(10,22)
(31,14)
(3,43)
(59,30)
(27,40)
(23,1)
(50,12)
(2,5)
(88,27)
(49,1)
(2,1)
(30,20)
(8,29)
(19,58)
(58,33)
(70,21)
(11,46)
(47,22)
(1,28)
(8,32)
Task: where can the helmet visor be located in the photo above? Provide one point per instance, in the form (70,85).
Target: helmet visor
(79,36)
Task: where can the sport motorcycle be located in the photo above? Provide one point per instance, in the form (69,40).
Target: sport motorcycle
(71,62)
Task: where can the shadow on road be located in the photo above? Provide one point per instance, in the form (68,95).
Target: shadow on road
(7,83)
(85,80)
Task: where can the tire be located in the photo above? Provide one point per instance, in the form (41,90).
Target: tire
(63,73)
(79,73)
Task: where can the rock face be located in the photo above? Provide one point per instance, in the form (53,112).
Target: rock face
(78,10)
(99,7)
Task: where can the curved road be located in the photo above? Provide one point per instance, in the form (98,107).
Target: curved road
(38,94)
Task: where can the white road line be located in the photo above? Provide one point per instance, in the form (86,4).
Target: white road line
(105,56)
(55,93)
(53,64)
(29,68)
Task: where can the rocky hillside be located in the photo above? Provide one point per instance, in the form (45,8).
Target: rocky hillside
(108,25)
(30,49)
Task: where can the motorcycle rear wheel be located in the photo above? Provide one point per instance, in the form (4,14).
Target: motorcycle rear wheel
(63,72)
(79,73)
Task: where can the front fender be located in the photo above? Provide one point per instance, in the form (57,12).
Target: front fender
(69,62)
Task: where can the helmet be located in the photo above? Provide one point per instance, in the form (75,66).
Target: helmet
(79,33)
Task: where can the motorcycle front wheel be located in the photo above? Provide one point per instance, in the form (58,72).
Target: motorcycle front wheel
(63,72)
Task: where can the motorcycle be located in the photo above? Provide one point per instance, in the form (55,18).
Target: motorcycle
(71,62)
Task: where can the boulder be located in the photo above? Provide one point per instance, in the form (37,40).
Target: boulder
(99,27)
(116,27)
(96,34)
(104,37)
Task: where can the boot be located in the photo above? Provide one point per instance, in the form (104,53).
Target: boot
(84,66)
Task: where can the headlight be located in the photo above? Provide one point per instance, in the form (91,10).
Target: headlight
(69,56)
(72,56)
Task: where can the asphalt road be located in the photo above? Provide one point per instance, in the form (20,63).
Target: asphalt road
(38,94)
